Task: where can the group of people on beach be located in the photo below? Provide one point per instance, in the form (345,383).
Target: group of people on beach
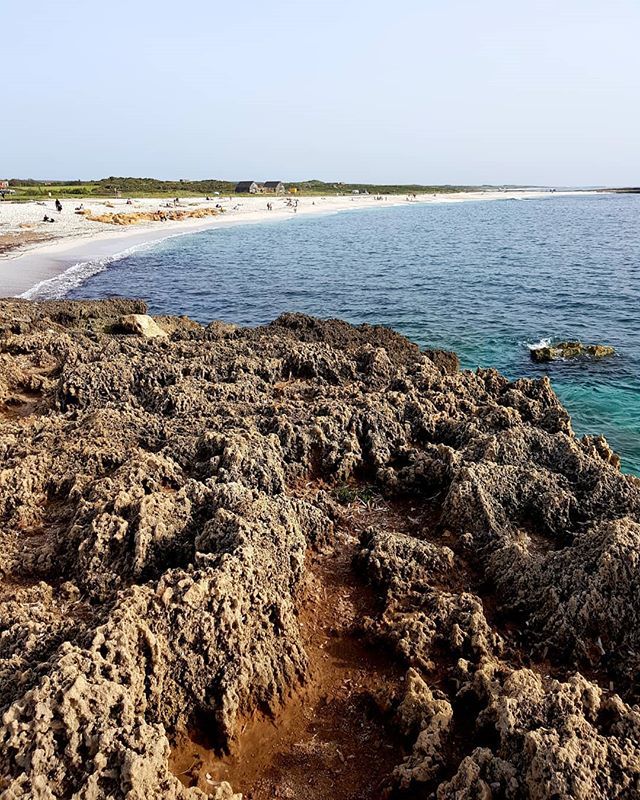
(290,202)
(47,218)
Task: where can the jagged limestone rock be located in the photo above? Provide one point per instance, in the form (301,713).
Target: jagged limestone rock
(154,545)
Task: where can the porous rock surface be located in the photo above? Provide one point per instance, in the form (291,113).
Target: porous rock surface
(154,554)
(569,350)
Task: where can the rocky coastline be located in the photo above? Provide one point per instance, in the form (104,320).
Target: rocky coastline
(303,560)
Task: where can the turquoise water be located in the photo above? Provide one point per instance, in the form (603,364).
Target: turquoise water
(484,279)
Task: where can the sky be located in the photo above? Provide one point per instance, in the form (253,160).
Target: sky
(535,92)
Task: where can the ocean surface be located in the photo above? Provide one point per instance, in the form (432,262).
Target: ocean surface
(486,279)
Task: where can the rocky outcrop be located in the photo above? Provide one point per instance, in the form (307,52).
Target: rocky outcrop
(162,215)
(141,325)
(547,739)
(562,351)
(156,525)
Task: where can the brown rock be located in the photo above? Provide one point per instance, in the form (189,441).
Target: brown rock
(569,350)
(157,526)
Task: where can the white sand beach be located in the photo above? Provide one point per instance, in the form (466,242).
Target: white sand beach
(34,251)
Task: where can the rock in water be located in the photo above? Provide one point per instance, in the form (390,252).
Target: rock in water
(599,350)
(569,350)
(160,507)
(141,325)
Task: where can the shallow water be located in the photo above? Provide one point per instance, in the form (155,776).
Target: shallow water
(482,278)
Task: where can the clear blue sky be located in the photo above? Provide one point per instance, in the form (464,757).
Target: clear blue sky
(442,91)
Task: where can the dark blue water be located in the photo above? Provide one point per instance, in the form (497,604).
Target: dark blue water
(484,279)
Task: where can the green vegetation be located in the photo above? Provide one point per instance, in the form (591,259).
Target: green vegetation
(323,187)
(114,186)
(151,187)
(348,493)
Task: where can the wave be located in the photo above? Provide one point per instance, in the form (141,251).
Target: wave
(57,287)
(60,285)
(539,345)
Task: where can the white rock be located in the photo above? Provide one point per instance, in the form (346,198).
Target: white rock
(142,325)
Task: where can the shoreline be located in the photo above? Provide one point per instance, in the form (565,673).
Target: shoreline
(25,270)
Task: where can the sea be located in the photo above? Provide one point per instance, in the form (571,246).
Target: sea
(488,279)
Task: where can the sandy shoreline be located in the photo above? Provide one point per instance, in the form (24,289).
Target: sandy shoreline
(77,241)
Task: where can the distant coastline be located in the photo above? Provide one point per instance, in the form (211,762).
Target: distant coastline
(38,251)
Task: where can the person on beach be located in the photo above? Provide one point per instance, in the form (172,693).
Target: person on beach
(58,206)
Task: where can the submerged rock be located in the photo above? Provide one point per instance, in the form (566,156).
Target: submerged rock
(569,350)
(159,506)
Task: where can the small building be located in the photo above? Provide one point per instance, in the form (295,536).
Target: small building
(247,187)
(274,187)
